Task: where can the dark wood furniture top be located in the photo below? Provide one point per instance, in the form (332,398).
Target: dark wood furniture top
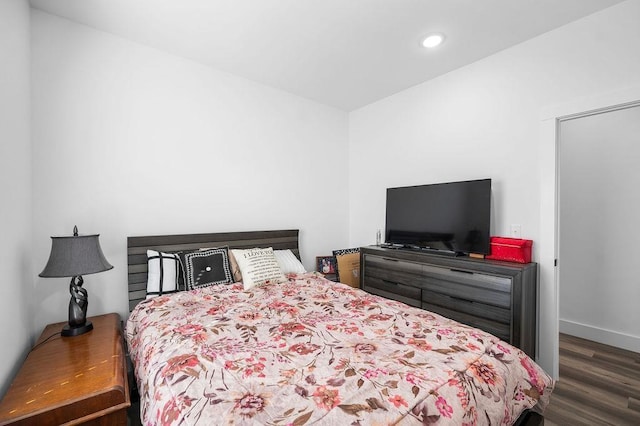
(498,297)
(71,380)
(137,250)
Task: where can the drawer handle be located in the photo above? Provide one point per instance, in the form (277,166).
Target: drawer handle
(461,271)
(461,299)
(390,282)
(390,260)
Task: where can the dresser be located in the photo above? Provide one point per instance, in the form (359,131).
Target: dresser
(497,297)
(71,380)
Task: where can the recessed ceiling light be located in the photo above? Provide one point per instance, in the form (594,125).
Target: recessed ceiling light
(433,40)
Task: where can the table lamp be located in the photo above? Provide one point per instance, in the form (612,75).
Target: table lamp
(75,256)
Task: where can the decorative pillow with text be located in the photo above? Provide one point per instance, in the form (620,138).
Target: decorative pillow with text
(258,266)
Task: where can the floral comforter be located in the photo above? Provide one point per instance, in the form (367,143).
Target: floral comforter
(310,351)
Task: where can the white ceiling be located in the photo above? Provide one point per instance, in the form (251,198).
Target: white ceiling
(343,53)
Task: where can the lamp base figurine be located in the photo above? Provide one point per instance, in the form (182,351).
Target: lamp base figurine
(78,303)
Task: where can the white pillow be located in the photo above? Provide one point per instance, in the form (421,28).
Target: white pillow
(162,274)
(258,266)
(288,262)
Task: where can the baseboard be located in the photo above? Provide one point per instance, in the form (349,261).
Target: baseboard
(601,335)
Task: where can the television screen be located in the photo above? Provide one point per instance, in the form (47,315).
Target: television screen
(452,217)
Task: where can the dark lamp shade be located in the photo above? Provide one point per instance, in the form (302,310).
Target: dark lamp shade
(76,255)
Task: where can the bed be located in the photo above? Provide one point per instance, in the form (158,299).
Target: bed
(305,350)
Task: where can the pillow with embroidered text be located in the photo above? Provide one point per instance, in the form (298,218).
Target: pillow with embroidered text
(258,266)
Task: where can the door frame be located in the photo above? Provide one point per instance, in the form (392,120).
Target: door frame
(550,117)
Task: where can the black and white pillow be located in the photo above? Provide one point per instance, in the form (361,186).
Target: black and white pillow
(162,273)
(204,268)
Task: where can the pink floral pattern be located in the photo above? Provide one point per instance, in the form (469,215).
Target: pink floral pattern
(313,351)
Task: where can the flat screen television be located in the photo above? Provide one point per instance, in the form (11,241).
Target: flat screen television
(453,217)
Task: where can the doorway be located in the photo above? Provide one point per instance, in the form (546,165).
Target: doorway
(547,244)
(598,206)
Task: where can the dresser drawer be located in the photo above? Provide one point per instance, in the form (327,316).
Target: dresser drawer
(471,307)
(393,290)
(392,265)
(465,292)
(470,278)
(467,288)
(500,330)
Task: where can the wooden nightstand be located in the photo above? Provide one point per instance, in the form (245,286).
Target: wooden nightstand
(72,380)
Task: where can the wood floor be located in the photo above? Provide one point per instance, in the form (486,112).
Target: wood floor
(599,385)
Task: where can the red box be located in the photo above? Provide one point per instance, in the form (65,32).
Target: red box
(510,249)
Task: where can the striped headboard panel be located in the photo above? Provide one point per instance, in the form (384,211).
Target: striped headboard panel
(137,250)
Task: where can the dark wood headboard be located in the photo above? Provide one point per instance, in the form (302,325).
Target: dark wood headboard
(137,250)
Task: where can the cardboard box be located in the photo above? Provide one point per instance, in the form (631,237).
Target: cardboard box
(348,266)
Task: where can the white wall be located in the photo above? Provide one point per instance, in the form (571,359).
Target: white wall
(598,185)
(483,120)
(129,140)
(15,191)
